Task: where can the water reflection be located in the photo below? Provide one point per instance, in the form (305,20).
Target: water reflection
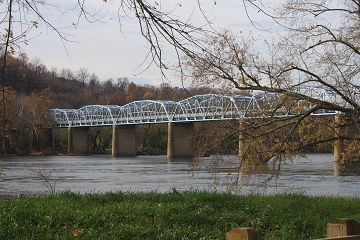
(101,173)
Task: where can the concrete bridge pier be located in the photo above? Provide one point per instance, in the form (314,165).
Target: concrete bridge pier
(79,140)
(242,139)
(351,165)
(338,146)
(124,141)
(180,140)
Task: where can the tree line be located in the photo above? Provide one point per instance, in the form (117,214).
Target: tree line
(63,87)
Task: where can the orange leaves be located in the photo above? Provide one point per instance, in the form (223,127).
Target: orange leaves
(77,232)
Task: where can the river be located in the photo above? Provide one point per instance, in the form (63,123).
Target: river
(30,175)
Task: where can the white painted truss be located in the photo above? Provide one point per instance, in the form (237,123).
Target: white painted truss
(197,108)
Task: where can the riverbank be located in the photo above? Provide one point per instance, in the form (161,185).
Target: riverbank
(172,215)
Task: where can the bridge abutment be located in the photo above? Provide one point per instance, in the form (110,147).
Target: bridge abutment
(180,140)
(79,140)
(124,141)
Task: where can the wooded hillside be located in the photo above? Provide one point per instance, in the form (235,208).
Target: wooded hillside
(68,89)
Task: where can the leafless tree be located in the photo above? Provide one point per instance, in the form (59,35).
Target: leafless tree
(318,48)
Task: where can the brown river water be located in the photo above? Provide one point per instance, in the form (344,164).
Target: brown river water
(30,175)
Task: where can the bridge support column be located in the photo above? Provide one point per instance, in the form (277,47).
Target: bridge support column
(124,141)
(338,146)
(242,137)
(79,140)
(180,140)
(346,155)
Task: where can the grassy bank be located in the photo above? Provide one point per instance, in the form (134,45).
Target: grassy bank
(190,215)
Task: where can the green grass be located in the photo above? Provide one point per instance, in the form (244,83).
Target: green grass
(173,215)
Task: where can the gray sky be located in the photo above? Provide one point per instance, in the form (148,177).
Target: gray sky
(112,52)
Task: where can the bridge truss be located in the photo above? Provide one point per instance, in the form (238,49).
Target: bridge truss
(197,108)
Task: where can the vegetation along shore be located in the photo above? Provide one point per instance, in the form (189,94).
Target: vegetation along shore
(172,215)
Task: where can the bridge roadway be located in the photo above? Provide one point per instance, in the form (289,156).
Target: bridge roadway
(180,115)
(197,108)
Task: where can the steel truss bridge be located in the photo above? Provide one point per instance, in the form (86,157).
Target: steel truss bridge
(197,108)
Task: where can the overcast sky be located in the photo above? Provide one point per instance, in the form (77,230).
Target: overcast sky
(111,52)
